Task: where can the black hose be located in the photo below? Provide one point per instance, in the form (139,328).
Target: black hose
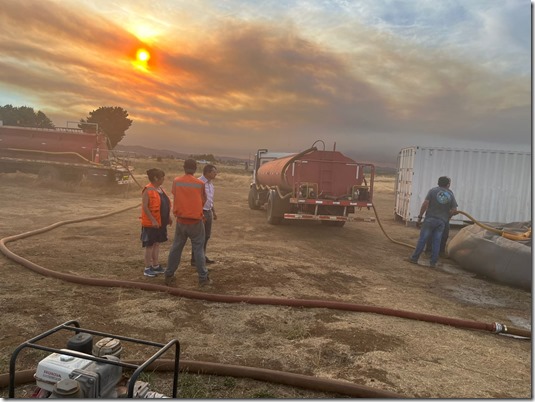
(291,160)
(323,142)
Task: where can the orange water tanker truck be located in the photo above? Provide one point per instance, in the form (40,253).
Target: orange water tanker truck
(314,184)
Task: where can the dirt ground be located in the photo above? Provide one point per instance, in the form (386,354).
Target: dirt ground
(298,260)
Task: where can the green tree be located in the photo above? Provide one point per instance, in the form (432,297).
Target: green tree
(24,116)
(112,121)
(43,121)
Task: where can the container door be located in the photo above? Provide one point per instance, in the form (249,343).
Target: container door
(404,181)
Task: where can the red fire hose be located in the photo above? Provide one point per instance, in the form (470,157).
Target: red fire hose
(260,374)
(238,371)
(191,294)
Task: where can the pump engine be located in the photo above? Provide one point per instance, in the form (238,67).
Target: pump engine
(84,370)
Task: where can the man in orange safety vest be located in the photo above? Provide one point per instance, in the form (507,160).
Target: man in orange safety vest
(188,200)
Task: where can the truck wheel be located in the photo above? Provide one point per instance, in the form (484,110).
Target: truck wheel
(253,197)
(48,173)
(273,207)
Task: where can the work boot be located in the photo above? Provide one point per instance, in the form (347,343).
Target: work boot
(206,260)
(205,282)
(412,261)
(170,281)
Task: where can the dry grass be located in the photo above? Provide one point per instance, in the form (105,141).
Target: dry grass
(354,264)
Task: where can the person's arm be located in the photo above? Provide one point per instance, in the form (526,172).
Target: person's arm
(423,208)
(170,221)
(145,206)
(453,210)
(214,215)
(204,198)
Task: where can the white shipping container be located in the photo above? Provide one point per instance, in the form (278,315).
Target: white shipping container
(490,185)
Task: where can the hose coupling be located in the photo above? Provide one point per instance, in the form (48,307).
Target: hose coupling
(499,328)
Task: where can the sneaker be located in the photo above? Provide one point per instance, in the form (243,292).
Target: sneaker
(209,261)
(170,280)
(158,269)
(205,282)
(149,272)
(412,261)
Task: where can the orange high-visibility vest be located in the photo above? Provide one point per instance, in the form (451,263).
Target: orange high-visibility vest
(188,197)
(155,204)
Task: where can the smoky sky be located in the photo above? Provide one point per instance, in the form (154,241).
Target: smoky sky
(228,85)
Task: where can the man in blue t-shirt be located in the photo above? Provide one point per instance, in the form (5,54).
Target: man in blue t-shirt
(439,206)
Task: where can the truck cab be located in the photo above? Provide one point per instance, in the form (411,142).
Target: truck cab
(263,156)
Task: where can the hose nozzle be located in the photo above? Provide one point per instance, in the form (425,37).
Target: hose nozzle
(503,329)
(499,328)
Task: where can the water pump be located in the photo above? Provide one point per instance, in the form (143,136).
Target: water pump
(84,370)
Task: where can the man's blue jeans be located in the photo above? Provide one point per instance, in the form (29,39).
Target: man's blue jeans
(431,228)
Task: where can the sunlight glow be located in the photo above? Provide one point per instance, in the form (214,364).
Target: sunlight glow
(144,33)
(141,60)
(142,55)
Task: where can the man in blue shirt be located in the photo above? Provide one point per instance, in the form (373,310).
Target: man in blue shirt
(439,206)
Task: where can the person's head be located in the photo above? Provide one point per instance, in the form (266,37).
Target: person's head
(209,171)
(190,166)
(155,175)
(444,181)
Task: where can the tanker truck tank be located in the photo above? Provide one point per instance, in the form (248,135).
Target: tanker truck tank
(312,184)
(61,153)
(67,144)
(334,173)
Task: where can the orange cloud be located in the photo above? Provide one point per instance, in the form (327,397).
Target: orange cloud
(244,83)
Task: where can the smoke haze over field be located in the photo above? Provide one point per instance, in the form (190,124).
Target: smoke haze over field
(229,77)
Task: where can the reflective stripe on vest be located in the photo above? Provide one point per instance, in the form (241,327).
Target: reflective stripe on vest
(182,184)
(187,192)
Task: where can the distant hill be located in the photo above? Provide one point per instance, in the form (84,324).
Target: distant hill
(385,170)
(146,152)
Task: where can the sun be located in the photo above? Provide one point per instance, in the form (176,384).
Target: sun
(142,55)
(142,58)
